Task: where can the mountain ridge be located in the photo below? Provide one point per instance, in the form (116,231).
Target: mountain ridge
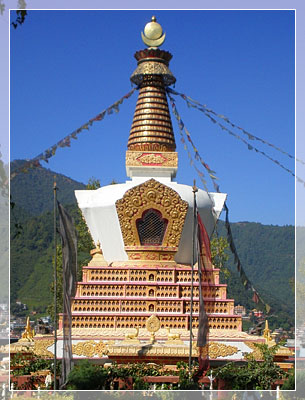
(38,183)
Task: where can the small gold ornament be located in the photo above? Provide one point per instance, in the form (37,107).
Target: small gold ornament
(153,324)
(28,333)
(153,34)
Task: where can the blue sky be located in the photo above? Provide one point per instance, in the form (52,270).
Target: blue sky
(67,66)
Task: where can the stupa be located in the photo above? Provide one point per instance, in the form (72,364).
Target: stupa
(133,303)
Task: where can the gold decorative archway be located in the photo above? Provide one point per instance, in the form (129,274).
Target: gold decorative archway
(155,195)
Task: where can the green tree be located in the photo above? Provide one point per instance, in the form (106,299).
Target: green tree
(93,183)
(87,376)
(219,253)
(59,287)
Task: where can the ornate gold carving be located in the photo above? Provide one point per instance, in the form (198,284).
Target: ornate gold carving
(139,158)
(172,349)
(90,348)
(214,350)
(41,347)
(153,324)
(151,68)
(150,255)
(151,147)
(151,194)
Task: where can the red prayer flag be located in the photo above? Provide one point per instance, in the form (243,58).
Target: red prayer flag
(204,261)
(204,243)
(255,297)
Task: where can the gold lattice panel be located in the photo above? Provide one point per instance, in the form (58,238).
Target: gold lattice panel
(155,195)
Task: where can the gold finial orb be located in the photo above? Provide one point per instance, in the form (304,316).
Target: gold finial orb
(153,30)
(153,34)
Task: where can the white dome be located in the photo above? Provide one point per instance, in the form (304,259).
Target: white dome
(99,210)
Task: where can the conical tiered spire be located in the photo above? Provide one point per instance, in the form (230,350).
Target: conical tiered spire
(151,131)
(151,128)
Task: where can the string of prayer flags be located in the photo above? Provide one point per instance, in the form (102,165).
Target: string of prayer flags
(243,277)
(250,147)
(66,141)
(205,109)
(182,128)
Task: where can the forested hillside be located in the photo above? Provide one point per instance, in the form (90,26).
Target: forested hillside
(32,254)
(267,255)
(33,190)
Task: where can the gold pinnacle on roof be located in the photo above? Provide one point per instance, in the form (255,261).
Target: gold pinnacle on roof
(151,128)
(153,35)
(28,333)
(97,256)
(267,335)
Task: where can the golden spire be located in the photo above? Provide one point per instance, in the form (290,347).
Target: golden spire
(151,128)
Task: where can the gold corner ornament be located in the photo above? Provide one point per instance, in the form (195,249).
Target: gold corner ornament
(153,34)
(256,353)
(41,348)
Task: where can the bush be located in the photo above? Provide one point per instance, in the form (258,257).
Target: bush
(25,364)
(87,376)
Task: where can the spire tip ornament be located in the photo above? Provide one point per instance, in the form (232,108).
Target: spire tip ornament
(153,35)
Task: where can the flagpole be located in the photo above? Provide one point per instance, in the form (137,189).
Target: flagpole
(195,190)
(55,283)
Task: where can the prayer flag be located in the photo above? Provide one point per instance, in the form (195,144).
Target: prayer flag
(255,297)
(204,261)
(68,235)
